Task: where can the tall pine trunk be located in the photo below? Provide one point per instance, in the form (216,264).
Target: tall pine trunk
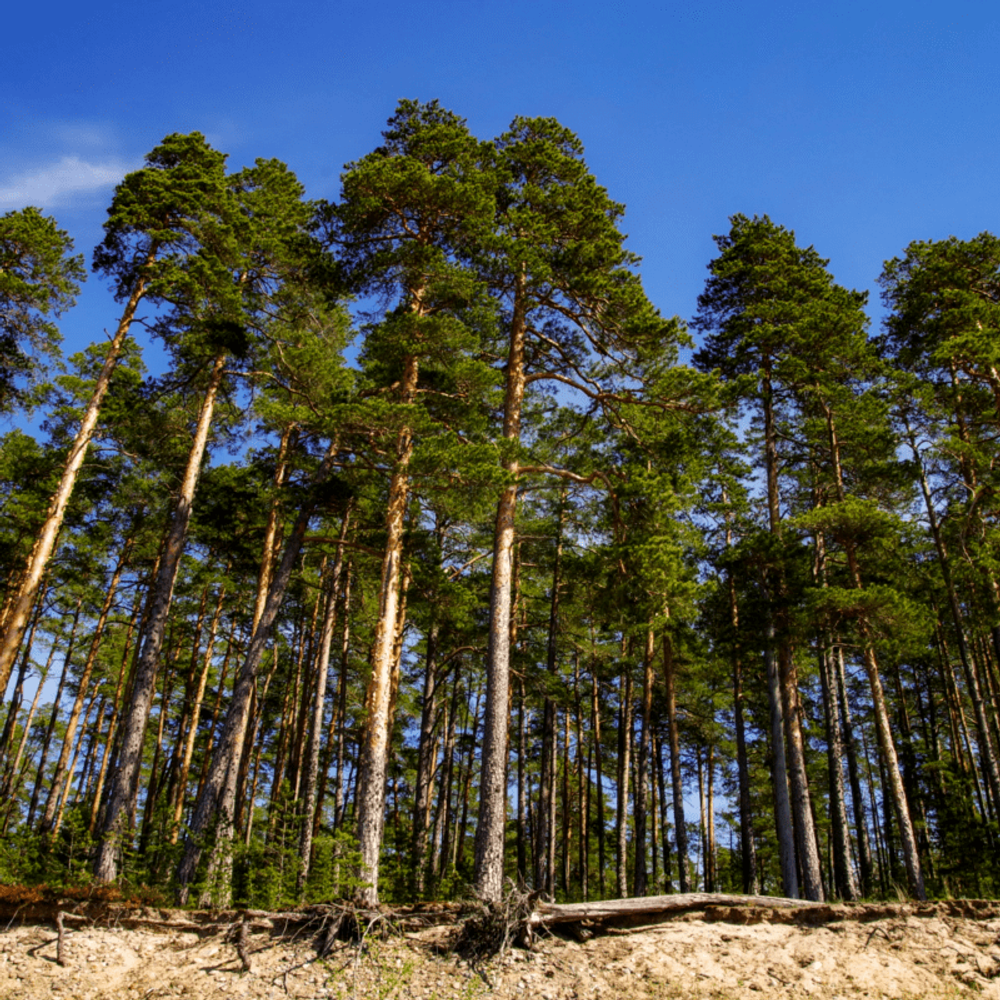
(124,786)
(215,809)
(59,776)
(195,717)
(17,618)
(677,786)
(624,773)
(309,795)
(748,851)
(642,811)
(370,795)
(489,865)
(883,728)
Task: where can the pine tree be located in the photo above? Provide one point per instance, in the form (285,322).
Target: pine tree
(407,213)
(153,229)
(557,263)
(39,279)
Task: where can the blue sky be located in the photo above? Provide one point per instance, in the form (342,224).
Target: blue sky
(862,126)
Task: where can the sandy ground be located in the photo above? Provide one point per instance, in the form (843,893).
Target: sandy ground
(891,952)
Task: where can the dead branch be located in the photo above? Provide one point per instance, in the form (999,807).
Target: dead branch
(610,910)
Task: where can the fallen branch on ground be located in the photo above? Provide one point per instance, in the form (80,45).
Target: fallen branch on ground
(613,909)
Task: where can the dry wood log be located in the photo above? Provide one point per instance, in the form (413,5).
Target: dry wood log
(620,909)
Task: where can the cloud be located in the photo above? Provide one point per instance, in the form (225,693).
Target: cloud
(56,184)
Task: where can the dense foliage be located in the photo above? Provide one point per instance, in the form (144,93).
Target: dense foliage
(424,563)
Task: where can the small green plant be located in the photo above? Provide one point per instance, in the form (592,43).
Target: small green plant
(57,860)
(333,873)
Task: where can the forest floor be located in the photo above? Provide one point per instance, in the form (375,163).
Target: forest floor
(874,951)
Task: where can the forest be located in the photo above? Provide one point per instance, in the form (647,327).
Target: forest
(434,558)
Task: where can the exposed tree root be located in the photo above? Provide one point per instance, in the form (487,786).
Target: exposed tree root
(490,929)
(483,932)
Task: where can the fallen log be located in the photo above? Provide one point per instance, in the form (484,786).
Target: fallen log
(609,910)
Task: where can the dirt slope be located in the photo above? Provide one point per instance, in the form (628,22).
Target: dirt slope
(893,952)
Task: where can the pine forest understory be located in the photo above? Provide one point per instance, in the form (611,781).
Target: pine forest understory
(435,558)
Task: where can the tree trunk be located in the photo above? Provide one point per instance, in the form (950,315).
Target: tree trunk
(184,718)
(109,742)
(467,782)
(91,732)
(854,776)
(710,829)
(583,785)
(48,824)
(624,768)
(125,783)
(8,788)
(790,768)
(68,784)
(843,870)
(319,707)
(567,828)
(595,728)
(442,817)
(53,718)
(640,888)
(748,851)
(522,790)
(18,694)
(339,804)
(677,786)
(489,866)
(779,775)
(664,824)
(195,717)
(41,552)
(703,822)
(803,825)
(887,747)
(370,795)
(216,801)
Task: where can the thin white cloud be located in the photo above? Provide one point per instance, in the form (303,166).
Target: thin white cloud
(84,135)
(59,183)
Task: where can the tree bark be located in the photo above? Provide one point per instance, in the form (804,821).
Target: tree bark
(124,786)
(370,796)
(779,665)
(488,875)
(624,769)
(664,823)
(677,786)
(595,728)
(319,707)
(642,785)
(48,824)
(854,776)
(215,806)
(192,733)
(15,701)
(843,870)
(53,718)
(426,749)
(748,851)
(779,775)
(109,742)
(8,788)
(41,552)
(522,790)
